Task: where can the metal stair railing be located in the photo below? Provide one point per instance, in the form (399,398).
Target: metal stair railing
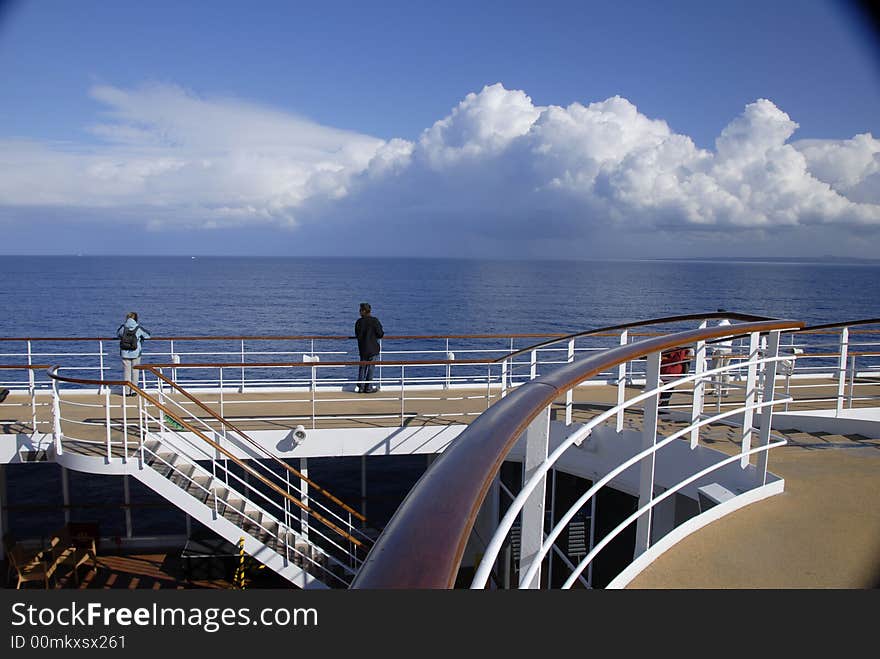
(314,489)
(234,485)
(220,496)
(146,420)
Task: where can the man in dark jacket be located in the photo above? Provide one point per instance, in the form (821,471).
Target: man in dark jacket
(368,331)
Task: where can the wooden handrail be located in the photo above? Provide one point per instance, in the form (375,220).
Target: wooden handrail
(55,376)
(423,544)
(253,443)
(32,367)
(397,337)
(866,321)
(417,362)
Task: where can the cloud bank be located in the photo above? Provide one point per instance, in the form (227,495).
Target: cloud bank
(497,167)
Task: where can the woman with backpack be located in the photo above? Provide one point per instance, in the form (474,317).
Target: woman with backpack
(131,334)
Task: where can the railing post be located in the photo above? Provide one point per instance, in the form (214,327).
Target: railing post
(749,400)
(569,395)
(125,430)
(537,436)
(649,438)
(449,357)
(314,395)
(107,421)
(504,378)
(304,496)
(699,389)
(56,418)
(841,368)
(533,364)
(32,387)
(768,385)
(241,390)
(488,384)
(402,392)
(621,383)
(852,381)
(286,501)
(175,359)
(142,430)
(222,400)
(101,358)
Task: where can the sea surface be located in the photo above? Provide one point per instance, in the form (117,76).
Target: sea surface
(89,296)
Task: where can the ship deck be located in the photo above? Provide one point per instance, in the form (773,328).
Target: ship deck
(822,532)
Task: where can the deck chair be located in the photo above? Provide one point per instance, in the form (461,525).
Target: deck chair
(30,565)
(72,546)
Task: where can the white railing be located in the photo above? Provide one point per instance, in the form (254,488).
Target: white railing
(294,516)
(759,398)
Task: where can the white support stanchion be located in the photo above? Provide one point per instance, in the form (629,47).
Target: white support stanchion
(649,438)
(107,422)
(125,430)
(56,419)
(241,389)
(313,394)
(621,383)
(699,390)
(768,385)
(304,496)
(101,358)
(841,368)
(569,395)
(537,437)
(748,403)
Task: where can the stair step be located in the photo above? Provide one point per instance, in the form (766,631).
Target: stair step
(182,474)
(200,488)
(231,510)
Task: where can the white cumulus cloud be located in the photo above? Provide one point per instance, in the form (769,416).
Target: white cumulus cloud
(497,167)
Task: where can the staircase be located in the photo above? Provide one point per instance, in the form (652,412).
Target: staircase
(286,544)
(287,522)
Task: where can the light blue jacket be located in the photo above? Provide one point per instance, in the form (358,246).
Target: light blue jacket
(142,333)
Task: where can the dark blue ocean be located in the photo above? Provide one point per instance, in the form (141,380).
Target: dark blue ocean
(89,296)
(175,296)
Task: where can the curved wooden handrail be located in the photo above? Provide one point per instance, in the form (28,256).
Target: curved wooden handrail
(257,446)
(866,321)
(56,376)
(423,544)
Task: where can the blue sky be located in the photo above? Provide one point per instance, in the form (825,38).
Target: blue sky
(553,129)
